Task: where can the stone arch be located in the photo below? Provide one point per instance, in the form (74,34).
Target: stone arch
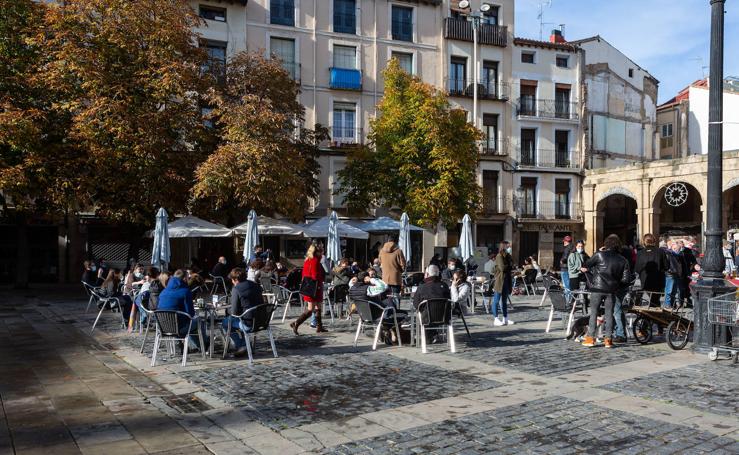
(617,213)
(615,190)
(731,184)
(686,219)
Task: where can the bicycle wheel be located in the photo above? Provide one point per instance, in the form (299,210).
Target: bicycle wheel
(677,334)
(642,329)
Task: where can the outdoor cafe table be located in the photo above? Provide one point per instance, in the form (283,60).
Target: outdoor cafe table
(210,311)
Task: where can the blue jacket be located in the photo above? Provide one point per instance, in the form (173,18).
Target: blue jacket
(176,297)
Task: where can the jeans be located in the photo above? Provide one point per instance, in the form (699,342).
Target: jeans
(595,299)
(237,324)
(618,314)
(566,282)
(502,298)
(673,292)
(193,339)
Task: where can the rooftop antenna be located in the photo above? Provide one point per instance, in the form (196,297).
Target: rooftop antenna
(543,4)
(702,66)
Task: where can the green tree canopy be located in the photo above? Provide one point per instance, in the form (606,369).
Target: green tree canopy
(265,160)
(422,157)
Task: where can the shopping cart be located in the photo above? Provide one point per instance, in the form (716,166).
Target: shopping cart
(724,311)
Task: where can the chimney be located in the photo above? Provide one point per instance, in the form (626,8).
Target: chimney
(557,37)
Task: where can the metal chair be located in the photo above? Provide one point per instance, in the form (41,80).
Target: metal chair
(267,288)
(167,323)
(436,314)
(549,283)
(529,281)
(149,316)
(218,281)
(261,316)
(92,297)
(105,301)
(337,295)
(374,315)
(564,305)
(284,296)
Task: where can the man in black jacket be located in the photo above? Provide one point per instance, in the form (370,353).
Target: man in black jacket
(244,295)
(431,288)
(610,273)
(651,264)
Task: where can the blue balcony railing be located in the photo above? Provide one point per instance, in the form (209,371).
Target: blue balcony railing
(345,79)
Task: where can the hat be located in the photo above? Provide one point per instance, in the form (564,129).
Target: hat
(567,238)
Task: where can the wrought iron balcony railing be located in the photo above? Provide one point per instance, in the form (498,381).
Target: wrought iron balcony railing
(486,89)
(462,30)
(493,147)
(346,136)
(547,210)
(530,157)
(549,109)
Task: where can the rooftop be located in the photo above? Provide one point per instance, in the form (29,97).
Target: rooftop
(567,47)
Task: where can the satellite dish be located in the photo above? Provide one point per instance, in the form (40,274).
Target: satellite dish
(485,7)
(464,4)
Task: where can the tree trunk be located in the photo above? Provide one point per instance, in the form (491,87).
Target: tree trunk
(22,253)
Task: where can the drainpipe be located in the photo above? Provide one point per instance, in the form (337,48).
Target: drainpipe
(315,70)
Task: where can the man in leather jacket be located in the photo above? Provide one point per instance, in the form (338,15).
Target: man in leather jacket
(610,272)
(675,275)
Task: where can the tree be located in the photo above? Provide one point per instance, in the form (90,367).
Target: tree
(265,160)
(129,75)
(422,158)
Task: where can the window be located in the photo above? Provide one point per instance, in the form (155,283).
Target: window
(212,13)
(405,60)
(666,140)
(490,128)
(667,130)
(563,61)
(562,198)
(527,104)
(527,204)
(528,146)
(489,78)
(345,19)
(490,192)
(345,57)
(631,72)
(282,12)
(527,57)
(490,17)
(344,129)
(561,148)
(562,102)
(216,63)
(402,23)
(284,49)
(457,75)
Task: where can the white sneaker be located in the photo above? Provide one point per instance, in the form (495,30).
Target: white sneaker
(497,322)
(507,321)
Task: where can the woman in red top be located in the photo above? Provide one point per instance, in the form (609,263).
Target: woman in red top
(313,269)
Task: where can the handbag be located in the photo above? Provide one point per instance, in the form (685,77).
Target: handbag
(308,287)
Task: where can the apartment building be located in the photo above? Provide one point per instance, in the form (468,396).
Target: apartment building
(682,122)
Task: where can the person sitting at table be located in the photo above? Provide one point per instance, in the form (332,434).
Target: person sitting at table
(255,270)
(446,274)
(342,273)
(364,287)
(89,273)
(431,288)
(460,291)
(245,294)
(221,270)
(134,279)
(177,297)
(111,288)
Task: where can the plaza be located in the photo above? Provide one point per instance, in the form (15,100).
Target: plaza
(512,389)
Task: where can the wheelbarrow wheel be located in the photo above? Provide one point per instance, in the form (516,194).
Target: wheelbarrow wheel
(642,329)
(677,334)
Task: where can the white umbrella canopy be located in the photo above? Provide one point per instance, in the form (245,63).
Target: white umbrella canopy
(270,226)
(161,252)
(333,245)
(382,224)
(319,228)
(192,227)
(404,239)
(466,245)
(251,236)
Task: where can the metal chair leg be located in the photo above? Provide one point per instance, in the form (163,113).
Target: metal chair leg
(543,298)
(185,349)
(227,340)
(549,322)
(359,330)
(377,335)
(202,340)
(248,348)
(423,338)
(461,315)
(146,333)
(156,348)
(102,308)
(452,343)
(272,341)
(397,329)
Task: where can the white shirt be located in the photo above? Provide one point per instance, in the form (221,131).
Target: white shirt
(489,267)
(460,292)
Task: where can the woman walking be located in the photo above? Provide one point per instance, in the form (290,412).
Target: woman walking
(313,274)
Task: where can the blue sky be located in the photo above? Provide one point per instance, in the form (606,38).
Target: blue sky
(666,37)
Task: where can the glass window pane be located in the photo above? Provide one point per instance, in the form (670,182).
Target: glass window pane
(345,16)
(282,12)
(345,57)
(405,60)
(402,23)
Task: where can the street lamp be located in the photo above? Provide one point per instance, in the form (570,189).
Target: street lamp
(476,17)
(713,282)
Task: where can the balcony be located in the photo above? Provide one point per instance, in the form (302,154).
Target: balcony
(486,90)
(547,210)
(461,29)
(493,204)
(345,79)
(528,157)
(547,109)
(346,137)
(494,148)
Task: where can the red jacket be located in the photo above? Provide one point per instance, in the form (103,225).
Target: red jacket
(312,268)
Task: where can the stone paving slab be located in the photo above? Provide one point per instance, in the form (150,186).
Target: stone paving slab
(553,426)
(710,387)
(289,392)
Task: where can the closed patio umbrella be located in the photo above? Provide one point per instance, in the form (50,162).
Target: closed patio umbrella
(333,244)
(466,245)
(252,236)
(404,239)
(161,253)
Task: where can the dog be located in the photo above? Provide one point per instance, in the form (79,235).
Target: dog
(580,327)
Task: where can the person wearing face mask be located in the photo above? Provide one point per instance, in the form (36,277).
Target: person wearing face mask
(448,273)
(503,283)
(134,279)
(575,261)
(89,273)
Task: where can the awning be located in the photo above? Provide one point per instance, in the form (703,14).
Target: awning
(382,224)
(319,228)
(271,226)
(193,227)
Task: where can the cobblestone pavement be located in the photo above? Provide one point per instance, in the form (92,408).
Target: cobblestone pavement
(512,389)
(548,426)
(711,387)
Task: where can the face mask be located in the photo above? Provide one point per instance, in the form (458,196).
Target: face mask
(579,250)
(138,275)
(509,250)
(452,267)
(93,268)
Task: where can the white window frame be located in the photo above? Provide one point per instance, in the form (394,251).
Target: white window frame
(357,121)
(402,50)
(537,193)
(356,47)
